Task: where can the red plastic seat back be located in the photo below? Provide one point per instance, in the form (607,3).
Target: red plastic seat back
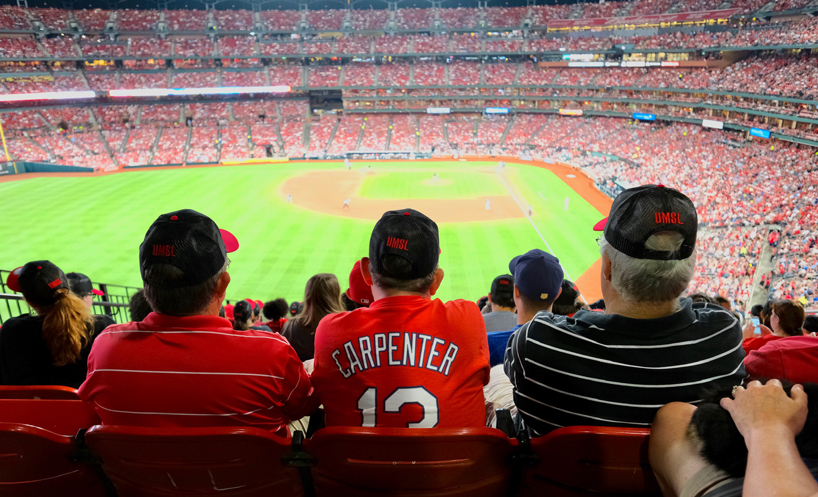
(441,462)
(53,392)
(36,463)
(579,459)
(63,417)
(221,461)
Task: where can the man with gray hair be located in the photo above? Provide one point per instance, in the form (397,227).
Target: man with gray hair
(648,348)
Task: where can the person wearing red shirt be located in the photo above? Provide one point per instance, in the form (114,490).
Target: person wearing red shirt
(183,365)
(786,319)
(407,360)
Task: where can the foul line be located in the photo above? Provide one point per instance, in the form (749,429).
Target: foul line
(540,194)
(536,229)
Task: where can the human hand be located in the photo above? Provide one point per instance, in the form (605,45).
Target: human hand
(767,407)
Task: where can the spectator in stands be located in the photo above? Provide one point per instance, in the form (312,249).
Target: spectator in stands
(701,298)
(537,284)
(296,308)
(755,327)
(568,303)
(649,347)
(359,292)
(407,360)
(80,285)
(244,317)
(787,318)
(322,296)
(723,302)
(501,300)
(275,312)
(50,347)
(767,419)
(811,324)
(210,374)
(138,307)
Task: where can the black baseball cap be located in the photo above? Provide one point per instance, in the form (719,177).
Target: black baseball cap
(503,285)
(189,241)
(81,285)
(38,281)
(242,310)
(537,274)
(410,235)
(569,293)
(295,308)
(640,212)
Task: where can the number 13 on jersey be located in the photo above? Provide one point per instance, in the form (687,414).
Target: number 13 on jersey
(394,402)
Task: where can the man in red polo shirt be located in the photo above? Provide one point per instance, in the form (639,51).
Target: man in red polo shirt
(407,360)
(183,365)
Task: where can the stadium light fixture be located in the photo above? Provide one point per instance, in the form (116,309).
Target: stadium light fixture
(227,90)
(49,95)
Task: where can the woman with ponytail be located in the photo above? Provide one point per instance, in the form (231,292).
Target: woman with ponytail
(51,345)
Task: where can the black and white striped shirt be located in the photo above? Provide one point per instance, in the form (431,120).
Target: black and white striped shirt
(609,370)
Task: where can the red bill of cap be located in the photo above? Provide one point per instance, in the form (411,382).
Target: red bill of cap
(600,226)
(97,292)
(228,311)
(231,244)
(260,303)
(11,281)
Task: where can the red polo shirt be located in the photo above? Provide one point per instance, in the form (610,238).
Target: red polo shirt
(791,358)
(403,362)
(194,371)
(755,343)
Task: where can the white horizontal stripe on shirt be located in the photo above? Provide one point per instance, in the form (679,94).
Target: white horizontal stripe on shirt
(212,373)
(184,413)
(578,414)
(272,336)
(607,346)
(592,399)
(633,385)
(539,419)
(625,365)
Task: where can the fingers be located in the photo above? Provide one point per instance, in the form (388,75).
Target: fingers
(798,395)
(728,404)
(755,384)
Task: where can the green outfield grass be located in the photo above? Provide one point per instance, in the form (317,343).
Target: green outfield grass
(95,224)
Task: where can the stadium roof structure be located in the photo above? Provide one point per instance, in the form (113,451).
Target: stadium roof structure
(275,4)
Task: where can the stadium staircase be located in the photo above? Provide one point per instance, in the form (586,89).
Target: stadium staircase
(417,136)
(505,133)
(518,71)
(758,293)
(576,11)
(219,144)
(389,134)
(305,135)
(360,136)
(528,141)
(155,145)
(279,138)
(483,74)
(332,134)
(446,134)
(446,73)
(84,80)
(108,148)
(187,144)
(266,72)
(377,75)
(341,76)
(412,72)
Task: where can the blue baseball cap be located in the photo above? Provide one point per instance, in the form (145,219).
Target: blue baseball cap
(537,274)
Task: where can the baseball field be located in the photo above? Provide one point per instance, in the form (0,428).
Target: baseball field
(95,223)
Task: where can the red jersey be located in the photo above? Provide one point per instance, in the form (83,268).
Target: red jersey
(195,371)
(792,358)
(755,343)
(403,362)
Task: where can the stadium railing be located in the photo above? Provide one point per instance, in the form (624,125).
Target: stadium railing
(233,461)
(113,302)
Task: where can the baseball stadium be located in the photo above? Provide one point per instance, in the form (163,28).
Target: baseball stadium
(374,247)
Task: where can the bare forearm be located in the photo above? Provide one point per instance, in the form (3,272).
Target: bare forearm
(774,467)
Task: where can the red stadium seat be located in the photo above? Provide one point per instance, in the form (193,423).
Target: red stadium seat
(35,462)
(176,462)
(400,461)
(587,460)
(62,417)
(53,392)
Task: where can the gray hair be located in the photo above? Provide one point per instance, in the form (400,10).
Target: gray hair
(646,280)
(182,301)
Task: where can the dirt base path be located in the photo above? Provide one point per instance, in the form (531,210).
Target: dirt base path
(325,192)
